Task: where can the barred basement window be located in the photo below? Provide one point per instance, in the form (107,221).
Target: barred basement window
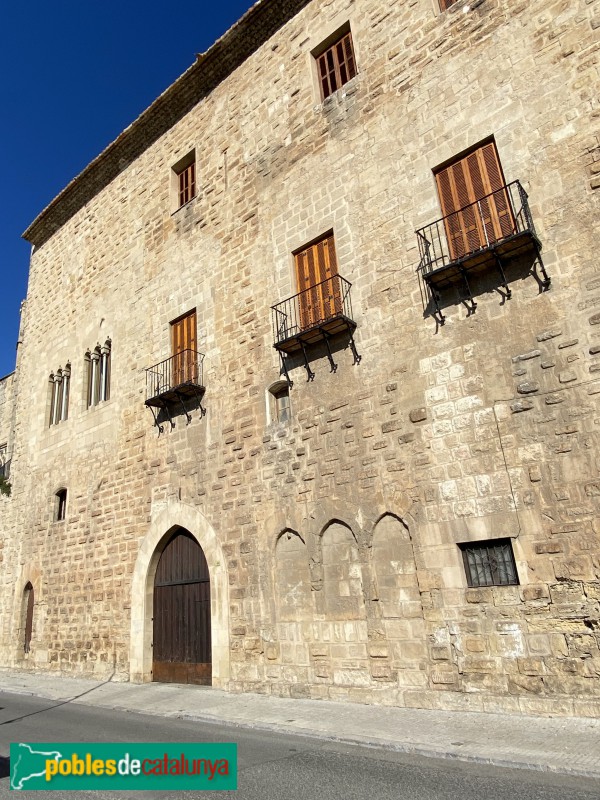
(61,505)
(490,563)
(184,180)
(59,395)
(98,373)
(336,63)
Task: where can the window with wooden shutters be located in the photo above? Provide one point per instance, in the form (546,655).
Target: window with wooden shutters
(183,184)
(184,348)
(187,184)
(316,270)
(336,65)
(475,204)
(28,604)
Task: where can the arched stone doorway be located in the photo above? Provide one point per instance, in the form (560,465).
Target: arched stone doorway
(182,624)
(166,519)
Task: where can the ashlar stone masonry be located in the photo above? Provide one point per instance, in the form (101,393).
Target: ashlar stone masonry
(332,539)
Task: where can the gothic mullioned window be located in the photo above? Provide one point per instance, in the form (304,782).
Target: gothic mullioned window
(60,382)
(98,373)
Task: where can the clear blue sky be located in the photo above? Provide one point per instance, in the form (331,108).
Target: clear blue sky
(75,73)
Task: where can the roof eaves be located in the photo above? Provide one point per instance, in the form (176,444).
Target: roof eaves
(249,33)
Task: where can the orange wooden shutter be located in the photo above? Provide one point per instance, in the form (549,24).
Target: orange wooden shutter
(184,344)
(471,218)
(316,267)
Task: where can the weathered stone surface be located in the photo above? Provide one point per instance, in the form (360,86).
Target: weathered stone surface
(521,405)
(528,387)
(418,414)
(527,356)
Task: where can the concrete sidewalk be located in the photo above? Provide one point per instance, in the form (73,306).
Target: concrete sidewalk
(562,744)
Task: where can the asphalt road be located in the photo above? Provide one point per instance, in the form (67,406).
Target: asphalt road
(273,766)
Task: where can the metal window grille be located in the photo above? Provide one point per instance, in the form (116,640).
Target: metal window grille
(337,65)
(490,563)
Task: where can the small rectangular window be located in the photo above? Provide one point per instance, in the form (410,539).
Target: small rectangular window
(336,65)
(183,181)
(490,563)
(280,402)
(444,4)
(61,505)
(187,184)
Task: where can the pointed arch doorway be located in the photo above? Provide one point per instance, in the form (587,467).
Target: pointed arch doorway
(181,651)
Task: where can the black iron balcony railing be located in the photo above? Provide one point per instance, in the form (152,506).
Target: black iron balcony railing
(176,380)
(485,233)
(314,315)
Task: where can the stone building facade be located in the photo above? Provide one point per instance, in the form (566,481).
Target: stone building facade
(342,520)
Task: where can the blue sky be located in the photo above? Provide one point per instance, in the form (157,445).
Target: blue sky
(75,73)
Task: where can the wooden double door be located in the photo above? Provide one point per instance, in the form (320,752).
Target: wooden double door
(320,296)
(181,625)
(476,206)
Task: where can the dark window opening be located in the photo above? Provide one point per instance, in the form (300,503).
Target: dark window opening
(28,602)
(61,505)
(490,563)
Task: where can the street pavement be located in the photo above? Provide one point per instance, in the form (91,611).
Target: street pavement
(561,744)
(273,765)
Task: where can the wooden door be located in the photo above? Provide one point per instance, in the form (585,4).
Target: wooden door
(181,627)
(184,347)
(471,219)
(320,297)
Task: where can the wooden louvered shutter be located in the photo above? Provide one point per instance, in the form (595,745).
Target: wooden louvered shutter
(337,65)
(316,268)
(473,219)
(184,343)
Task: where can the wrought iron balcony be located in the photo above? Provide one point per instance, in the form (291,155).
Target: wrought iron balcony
(177,380)
(316,314)
(487,233)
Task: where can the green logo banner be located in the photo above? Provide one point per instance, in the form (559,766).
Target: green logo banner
(109,766)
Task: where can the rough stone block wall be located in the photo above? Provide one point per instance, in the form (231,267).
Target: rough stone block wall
(333,539)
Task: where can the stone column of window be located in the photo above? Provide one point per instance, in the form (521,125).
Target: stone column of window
(104,354)
(95,382)
(56,398)
(66,380)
